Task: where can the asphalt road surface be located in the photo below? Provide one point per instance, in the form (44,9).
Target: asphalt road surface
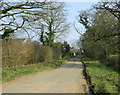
(66,79)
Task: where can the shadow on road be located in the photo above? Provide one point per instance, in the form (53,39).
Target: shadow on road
(79,66)
(73,63)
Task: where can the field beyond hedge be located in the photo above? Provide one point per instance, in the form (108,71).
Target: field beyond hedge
(105,79)
(16,72)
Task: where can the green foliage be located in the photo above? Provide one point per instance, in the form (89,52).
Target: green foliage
(100,39)
(86,59)
(105,79)
(65,50)
(61,50)
(7,33)
(16,72)
(42,34)
(113,62)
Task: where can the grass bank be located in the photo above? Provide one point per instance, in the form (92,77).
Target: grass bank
(105,79)
(16,72)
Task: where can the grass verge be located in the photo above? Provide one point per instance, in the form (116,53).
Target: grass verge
(105,79)
(16,72)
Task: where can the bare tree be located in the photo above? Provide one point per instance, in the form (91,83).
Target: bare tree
(54,22)
(15,15)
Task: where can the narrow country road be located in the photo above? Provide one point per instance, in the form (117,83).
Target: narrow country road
(66,79)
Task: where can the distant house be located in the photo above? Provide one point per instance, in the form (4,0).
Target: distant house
(74,52)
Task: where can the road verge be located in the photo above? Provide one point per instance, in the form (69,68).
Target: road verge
(21,71)
(101,79)
(87,77)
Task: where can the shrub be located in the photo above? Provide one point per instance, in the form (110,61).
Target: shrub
(113,62)
(16,52)
(57,52)
(48,54)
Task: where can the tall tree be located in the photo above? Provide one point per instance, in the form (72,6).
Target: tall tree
(101,25)
(65,49)
(114,9)
(54,22)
